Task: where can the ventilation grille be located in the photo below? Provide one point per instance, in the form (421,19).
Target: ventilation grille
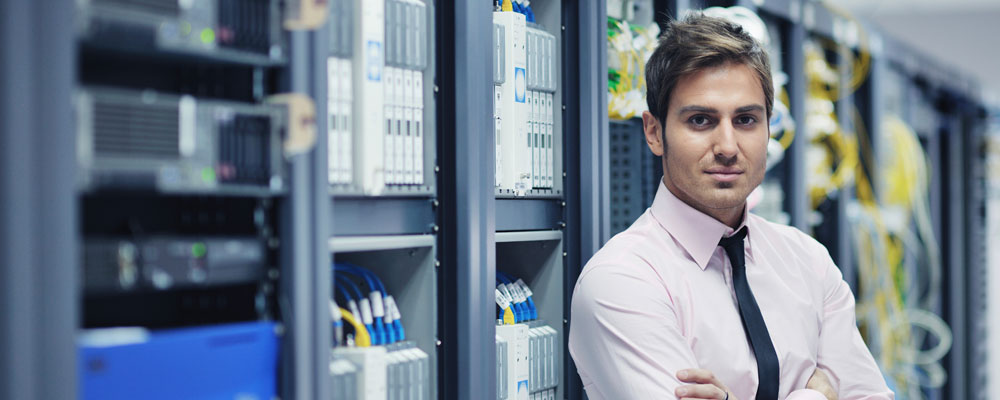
(158,7)
(133,131)
(245,25)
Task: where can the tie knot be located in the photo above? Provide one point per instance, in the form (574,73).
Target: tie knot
(734,242)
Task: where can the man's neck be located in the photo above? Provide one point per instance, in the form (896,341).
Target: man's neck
(731,217)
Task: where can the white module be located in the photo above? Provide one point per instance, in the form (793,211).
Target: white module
(369,70)
(549,156)
(516,337)
(418,131)
(371,363)
(390,124)
(513,137)
(409,125)
(497,128)
(339,106)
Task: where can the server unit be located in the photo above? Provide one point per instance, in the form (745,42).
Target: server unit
(161,263)
(172,143)
(226,30)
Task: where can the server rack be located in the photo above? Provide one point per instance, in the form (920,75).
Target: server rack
(539,236)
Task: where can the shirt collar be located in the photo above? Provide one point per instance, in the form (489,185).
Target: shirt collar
(697,232)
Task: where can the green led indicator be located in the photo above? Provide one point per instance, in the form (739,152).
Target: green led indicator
(208,174)
(207,35)
(198,250)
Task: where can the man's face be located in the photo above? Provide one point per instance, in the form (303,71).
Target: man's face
(716,134)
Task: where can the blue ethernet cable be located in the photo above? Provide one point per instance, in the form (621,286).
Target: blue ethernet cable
(381,333)
(373,331)
(519,308)
(344,284)
(522,307)
(529,303)
(387,331)
(394,330)
(513,305)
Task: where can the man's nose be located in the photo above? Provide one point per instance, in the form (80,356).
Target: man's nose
(725,146)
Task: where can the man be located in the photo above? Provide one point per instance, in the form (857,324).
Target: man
(698,298)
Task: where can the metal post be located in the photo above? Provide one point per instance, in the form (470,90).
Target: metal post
(320,210)
(39,260)
(796,195)
(297,298)
(467,358)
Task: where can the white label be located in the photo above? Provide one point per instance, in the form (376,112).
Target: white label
(366,312)
(378,309)
(334,311)
(187,120)
(353,306)
(502,300)
(391,309)
(524,287)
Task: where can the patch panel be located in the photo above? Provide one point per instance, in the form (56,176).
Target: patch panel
(516,360)
(502,367)
(377,74)
(389,367)
(525,84)
(399,371)
(344,377)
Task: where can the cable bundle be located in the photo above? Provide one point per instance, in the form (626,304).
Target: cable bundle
(518,6)
(894,231)
(629,47)
(514,300)
(376,316)
(831,152)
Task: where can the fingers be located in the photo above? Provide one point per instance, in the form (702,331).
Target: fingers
(698,375)
(704,385)
(700,391)
(819,375)
(820,382)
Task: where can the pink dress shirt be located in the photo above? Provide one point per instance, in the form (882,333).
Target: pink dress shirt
(658,298)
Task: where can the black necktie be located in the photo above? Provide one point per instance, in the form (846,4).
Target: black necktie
(753,322)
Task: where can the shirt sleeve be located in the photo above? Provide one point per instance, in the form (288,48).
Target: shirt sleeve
(842,353)
(625,336)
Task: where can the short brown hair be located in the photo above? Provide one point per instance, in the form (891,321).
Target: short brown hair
(695,43)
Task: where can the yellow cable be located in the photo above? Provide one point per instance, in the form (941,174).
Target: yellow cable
(361,338)
(508,316)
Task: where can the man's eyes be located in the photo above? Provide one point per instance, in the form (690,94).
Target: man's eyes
(746,120)
(702,121)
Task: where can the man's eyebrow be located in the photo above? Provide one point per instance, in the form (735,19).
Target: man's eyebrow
(752,107)
(687,109)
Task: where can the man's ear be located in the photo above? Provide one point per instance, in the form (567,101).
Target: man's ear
(654,137)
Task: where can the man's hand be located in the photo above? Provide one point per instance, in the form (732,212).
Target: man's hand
(820,383)
(703,385)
